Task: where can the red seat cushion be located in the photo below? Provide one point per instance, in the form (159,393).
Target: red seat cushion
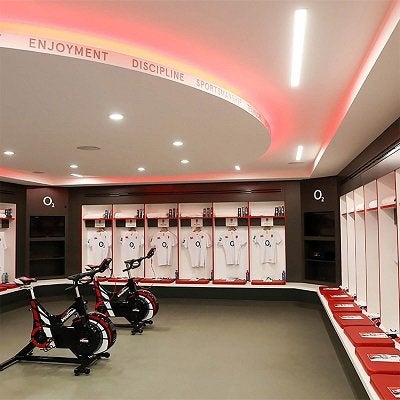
(192,281)
(351,319)
(229,282)
(261,282)
(339,306)
(387,386)
(330,289)
(10,285)
(379,360)
(123,280)
(157,280)
(368,336)
(339,296)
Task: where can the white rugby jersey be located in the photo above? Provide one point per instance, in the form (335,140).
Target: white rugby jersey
(267,240)
(3,247)
(232,243)
(163,241)
(99,244)
(197,244)
(130,245)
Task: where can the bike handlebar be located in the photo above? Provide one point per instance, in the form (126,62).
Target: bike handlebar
(135,262)
(100,268)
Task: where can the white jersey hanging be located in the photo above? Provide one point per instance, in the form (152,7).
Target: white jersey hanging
(3,247)
(268,241)
(130,244)
(197,244)
(163,241)
(99,244)
(232,243)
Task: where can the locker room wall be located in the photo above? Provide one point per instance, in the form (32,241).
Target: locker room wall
(289,192)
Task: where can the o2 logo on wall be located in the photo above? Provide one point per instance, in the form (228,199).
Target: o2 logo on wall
(48,201)
(318,195)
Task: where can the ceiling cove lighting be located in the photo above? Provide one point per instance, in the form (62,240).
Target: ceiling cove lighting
(299,30)
(8,153)
(299,152)
(116,116)
(177,143)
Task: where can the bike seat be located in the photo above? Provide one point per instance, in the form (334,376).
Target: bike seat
(24,281)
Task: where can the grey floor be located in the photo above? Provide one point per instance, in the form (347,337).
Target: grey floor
(196,349)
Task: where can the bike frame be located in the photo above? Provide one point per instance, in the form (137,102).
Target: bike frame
(88,337)
(119,303)
(51,323)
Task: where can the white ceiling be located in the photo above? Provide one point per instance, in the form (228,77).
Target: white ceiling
(349,91)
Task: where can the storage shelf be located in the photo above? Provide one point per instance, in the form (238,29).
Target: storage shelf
(47,239)
(128,218)
(47,246)
(320,238)
(387,206)
(46,258)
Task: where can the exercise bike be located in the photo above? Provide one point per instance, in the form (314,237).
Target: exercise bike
(88,336)
(132,302)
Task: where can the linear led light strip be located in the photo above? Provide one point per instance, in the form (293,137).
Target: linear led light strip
(299,152)
(300,19)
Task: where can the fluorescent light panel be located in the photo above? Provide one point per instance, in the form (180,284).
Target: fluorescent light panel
(299,152)
(299,29)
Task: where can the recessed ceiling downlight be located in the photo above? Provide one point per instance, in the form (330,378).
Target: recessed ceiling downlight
(116,116)
(177,143)
(185,161)
(89,148)
(141,169)
(8,153)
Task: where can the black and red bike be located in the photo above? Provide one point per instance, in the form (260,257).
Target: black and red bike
(89,336)
(132,302)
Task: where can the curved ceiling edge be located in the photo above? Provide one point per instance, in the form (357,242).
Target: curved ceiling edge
(30,38)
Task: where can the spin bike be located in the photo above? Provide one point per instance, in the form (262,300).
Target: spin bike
(132,302)
(88,336)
